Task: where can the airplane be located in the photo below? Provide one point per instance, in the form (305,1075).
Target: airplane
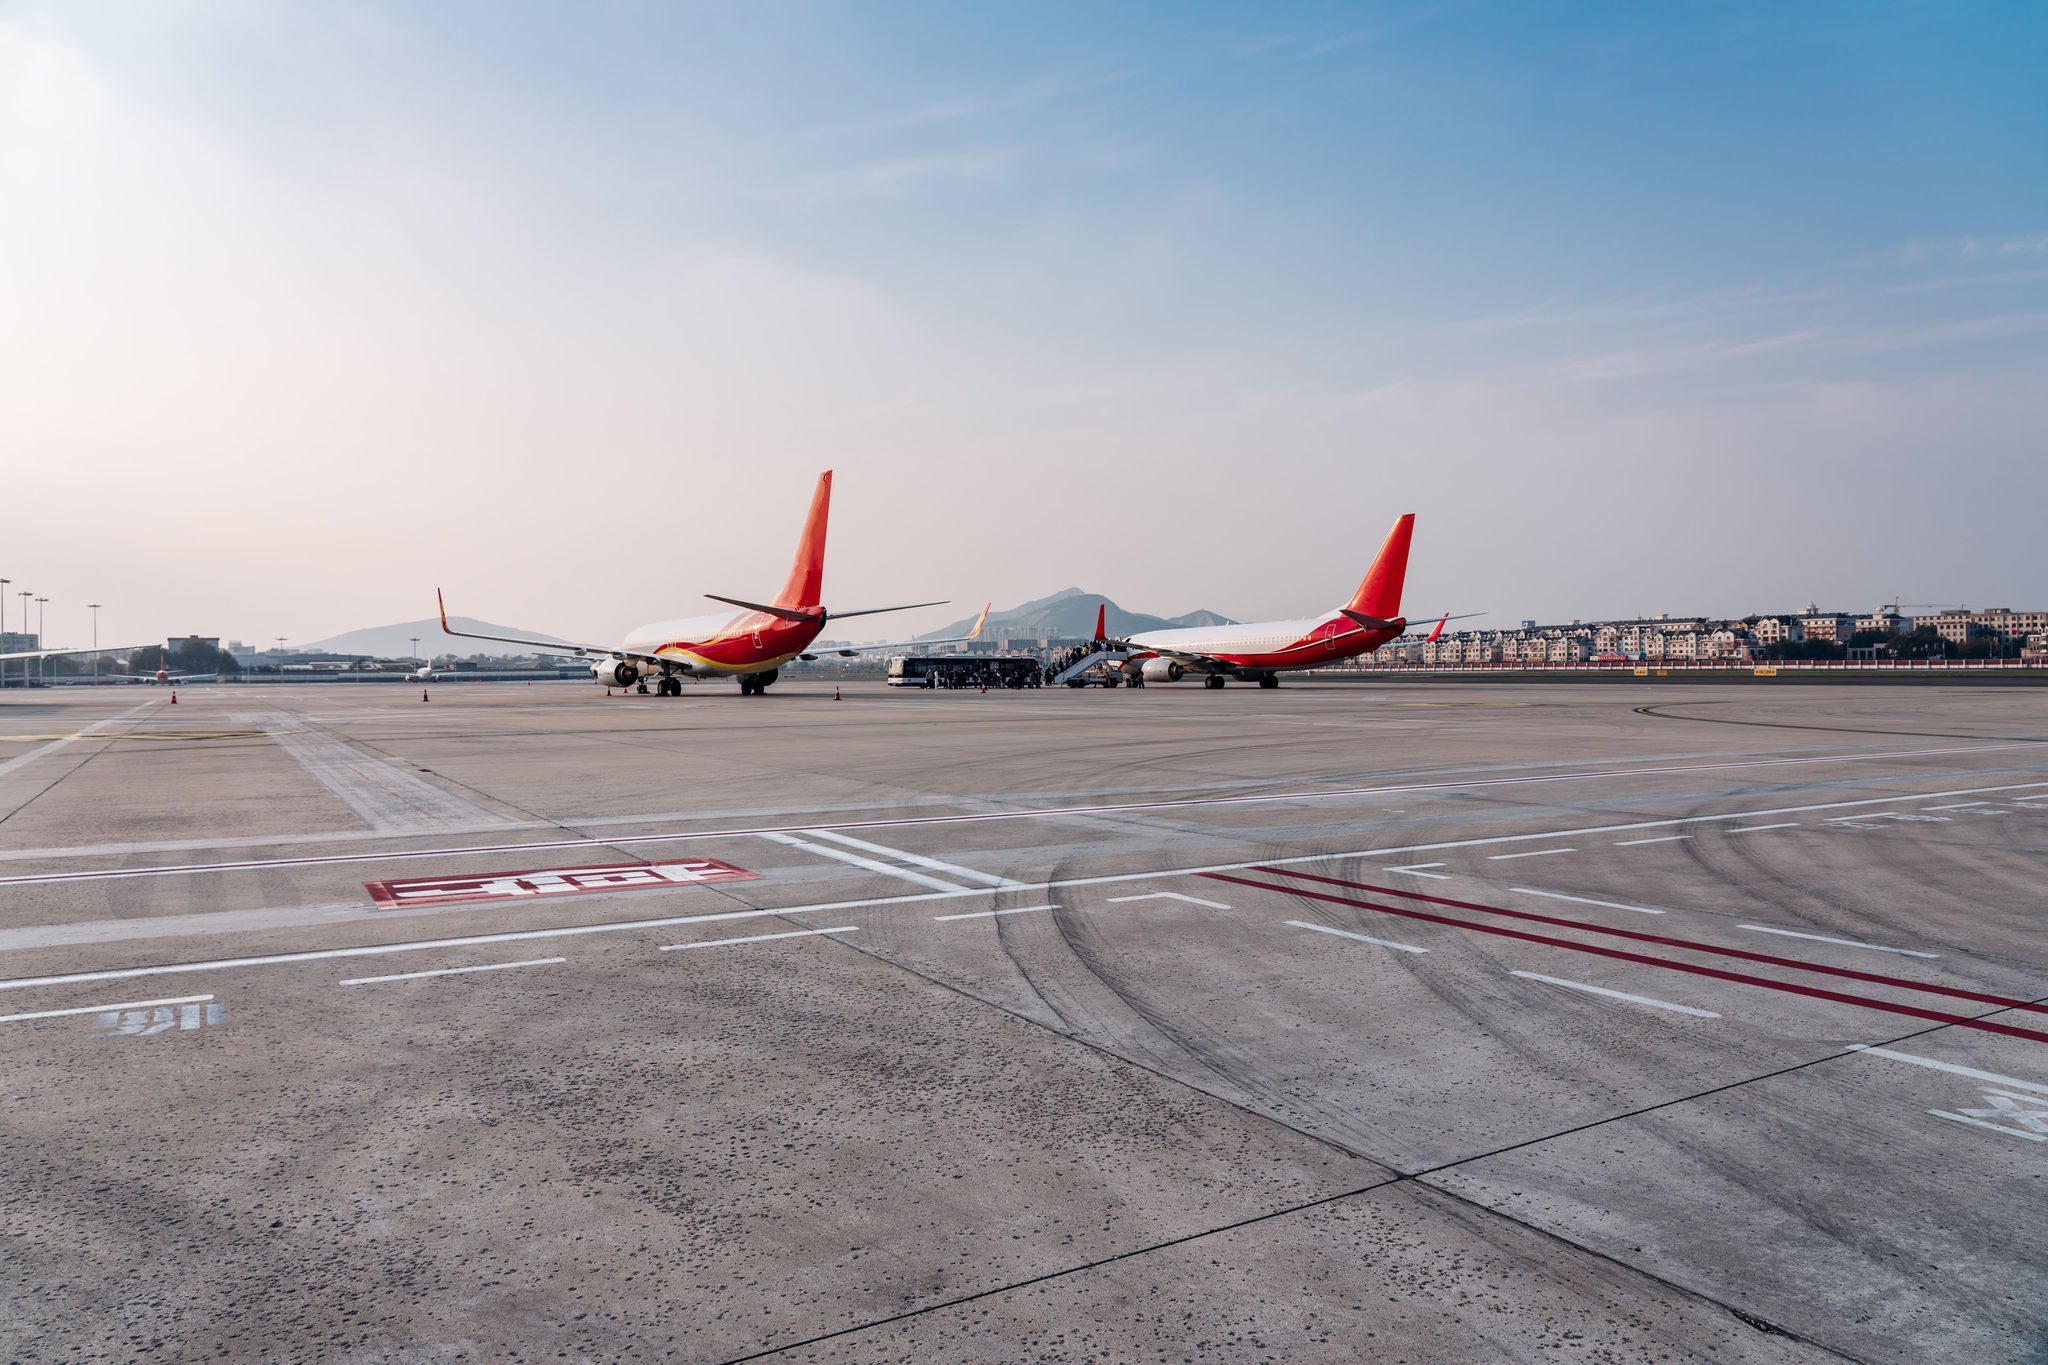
(751,644)
(1260,651)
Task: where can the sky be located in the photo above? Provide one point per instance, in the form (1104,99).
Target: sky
(1715,309)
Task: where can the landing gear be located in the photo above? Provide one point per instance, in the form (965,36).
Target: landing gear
(669,686)
(754,684)
(642,689)
(1213,680)
(1269,680)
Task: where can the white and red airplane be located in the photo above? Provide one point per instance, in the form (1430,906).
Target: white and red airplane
(751,644)
(1259,651)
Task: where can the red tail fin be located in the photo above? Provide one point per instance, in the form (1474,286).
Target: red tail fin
(1380,594)
(806,586)
(1437,634)
(1102,621)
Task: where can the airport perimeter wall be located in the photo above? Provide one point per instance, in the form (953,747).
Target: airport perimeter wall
(1955,673)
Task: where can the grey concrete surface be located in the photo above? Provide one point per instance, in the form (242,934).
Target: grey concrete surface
(1341,1022)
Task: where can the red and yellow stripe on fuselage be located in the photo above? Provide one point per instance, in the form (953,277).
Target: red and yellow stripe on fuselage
(1267,646)
(726,645)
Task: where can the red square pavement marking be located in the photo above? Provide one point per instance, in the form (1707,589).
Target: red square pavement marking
(539,883)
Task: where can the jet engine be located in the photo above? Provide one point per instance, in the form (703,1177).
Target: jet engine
(1163,670)
(615,672)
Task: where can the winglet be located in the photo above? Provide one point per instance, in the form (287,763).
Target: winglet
(1101,622)
(1380,593)
(979,622)
(1436,634)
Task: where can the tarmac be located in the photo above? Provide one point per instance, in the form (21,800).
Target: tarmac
(1649,1022)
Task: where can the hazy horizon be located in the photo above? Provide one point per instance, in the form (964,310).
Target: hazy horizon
(306,311)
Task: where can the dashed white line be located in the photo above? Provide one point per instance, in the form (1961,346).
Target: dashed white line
(1661,839)
(1533,853)
(991,914)
(1960,805)
(1871,1050)
(1753,829)
(1362,938)
(1617,995)
(102,1009)
(1168,896)
(986,878)
(452,971)
(1583,900)
(755,938)
(857,860)
(1416,870)
(1994,1127)
(1844,942)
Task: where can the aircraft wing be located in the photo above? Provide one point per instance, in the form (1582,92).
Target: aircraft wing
(850,650)
(559,646)
(1207,662)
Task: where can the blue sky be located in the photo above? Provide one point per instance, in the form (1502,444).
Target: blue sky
(1180,303)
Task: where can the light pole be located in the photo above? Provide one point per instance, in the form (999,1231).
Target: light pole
(42,665)
(94,608)
(280,656)
(24,595)
(3,626)
(415,647)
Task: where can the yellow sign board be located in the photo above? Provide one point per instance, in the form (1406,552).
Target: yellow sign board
(1765,672)
(1642,673)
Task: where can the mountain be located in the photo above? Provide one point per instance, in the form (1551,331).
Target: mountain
(1070,614)
(394,642)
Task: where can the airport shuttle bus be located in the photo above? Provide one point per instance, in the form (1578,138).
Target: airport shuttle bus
(964,670)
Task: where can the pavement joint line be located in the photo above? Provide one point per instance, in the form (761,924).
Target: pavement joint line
(1533,853)
(1617,995)
(1583,900)
(186,869)
(991,914)
(1361,938)
(1844,942)
(755,938)
(102,1009)
(1104,880)
(452,971)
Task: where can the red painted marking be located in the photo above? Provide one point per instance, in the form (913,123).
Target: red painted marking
(541,882)
(1740,978)
(1876,978)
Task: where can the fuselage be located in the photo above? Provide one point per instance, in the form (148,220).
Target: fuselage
(1266,646)
(725,644)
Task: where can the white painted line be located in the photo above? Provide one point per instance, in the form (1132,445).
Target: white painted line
(991,914)
(1168,896)
(1617,995)
(1416,870)
(1752,829)
(1843,942)
(102,1009)
(1862,815)
(1870,1050)
(1583,900)
(96,730)
(1960,805)
(1062,812)
(1533,853)
(1362,938)
(451,971)
(869,863)
(1662,839)
(756,938)
(1994,1127)
(987,878)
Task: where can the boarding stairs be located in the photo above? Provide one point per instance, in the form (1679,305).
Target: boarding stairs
(1088,661)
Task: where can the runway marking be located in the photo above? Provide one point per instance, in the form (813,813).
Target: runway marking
(1534,853)
(383,795)
(1844,942)
(1960,805)
(1744,954)
(2003,1105)
(103,1009)
(1419,870)
(1061,812)
(1872,1050)
(1362,938)
(991,914)
(755,938)
(857,860)
(987,878)
(1617,995)
(1661,839)
(1168,896)
(452,971)
(94,731)
(162,1019)
(1583,900)
(1754,829)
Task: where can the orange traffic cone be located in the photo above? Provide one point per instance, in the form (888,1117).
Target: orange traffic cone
(835,694)
(423,694)
(174,698)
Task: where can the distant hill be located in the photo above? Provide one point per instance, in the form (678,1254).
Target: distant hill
(1070,614)
(393,642)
